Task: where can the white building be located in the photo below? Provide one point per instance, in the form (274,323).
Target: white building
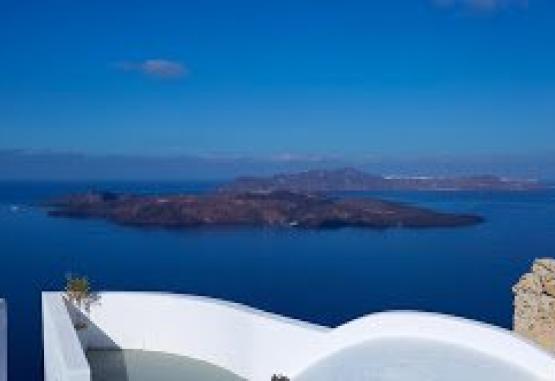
(253,345)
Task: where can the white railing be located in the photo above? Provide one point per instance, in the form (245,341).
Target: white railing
(250,343)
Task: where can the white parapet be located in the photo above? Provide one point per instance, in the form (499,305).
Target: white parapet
(64,359)
(3,341)
(248,342)
(228,335)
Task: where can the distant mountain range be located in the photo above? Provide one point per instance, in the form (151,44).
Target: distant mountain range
(52,165)
(350,179)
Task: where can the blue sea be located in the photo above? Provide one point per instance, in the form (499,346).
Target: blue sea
(323,276)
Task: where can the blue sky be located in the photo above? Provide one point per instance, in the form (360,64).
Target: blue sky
(349,78)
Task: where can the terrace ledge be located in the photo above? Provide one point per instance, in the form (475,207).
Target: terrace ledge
(251,343)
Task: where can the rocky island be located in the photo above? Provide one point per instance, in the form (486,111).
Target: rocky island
(278,208)
(350,179)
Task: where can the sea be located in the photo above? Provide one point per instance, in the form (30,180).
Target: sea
(326,277)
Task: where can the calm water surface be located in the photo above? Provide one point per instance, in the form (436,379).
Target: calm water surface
(326,277)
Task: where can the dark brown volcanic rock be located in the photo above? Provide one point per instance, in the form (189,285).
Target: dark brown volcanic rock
(279,208)
(349,179)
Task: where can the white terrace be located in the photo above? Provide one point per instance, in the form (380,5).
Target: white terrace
(128,335)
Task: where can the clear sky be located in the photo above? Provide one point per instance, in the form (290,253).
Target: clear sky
(413,77)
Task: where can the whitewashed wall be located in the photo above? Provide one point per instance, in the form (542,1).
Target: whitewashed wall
(482,338)
(248,342)
(64,359)
(3,341)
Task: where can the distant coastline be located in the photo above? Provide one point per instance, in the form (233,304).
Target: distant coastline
(289,200)
(350,179)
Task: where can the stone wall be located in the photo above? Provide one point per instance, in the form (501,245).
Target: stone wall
(534,304)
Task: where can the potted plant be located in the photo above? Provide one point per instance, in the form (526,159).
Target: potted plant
(78,292)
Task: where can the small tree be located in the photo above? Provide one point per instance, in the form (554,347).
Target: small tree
(78,291)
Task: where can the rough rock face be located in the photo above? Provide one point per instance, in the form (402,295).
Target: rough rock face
(534,303)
